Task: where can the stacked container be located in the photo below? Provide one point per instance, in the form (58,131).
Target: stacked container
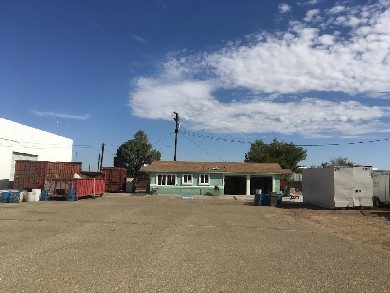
(32,174)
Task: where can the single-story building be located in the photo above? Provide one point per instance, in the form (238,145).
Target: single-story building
(208,178)
(21,142)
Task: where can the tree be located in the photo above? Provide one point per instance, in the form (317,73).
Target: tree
(340,162)
(134,153)
(287,155)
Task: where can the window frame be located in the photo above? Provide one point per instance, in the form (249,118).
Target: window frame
(165,175)
(200,181)
(187,183)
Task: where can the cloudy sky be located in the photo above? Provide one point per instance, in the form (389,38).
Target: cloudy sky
(312,72)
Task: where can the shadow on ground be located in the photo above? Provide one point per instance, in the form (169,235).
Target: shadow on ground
(289,205)
(383,213)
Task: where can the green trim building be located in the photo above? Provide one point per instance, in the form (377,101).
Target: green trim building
(213,178)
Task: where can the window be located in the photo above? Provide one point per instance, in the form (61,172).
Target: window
(204,179)
(187,179)
(166,179)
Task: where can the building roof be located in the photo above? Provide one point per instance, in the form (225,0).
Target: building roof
(215,167)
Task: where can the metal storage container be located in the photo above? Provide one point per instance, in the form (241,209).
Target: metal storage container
(115,178)
(338,187)
(32,174)
(381,182)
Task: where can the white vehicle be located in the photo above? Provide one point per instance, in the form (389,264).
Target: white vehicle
(381,181)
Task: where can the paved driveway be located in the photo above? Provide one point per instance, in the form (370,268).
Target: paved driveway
(122,243)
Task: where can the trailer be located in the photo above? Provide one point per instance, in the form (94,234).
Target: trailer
(115,178)
(338,187)
(73,188)
(32,174)
(381,185)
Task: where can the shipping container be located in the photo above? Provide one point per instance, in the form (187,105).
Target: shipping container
(32,174)
(115,178)
(338,187)
(74,188)
(381,182)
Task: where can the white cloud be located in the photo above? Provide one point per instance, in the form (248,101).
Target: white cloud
(309,2)
(337,9)
(284,8)
(275,70)
(60,115)
(201,111)
(139,39)
(312,15)
(326,40)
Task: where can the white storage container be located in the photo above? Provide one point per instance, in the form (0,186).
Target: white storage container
(36,194)
(338,187)
(381,187)
(33,195)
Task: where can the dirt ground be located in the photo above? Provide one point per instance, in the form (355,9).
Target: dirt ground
(366,225)
(145,243)
(369,225)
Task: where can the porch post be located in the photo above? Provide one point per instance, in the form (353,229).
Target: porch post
(273,183)
(248,184)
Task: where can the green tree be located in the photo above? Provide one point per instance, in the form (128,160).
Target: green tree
(134,153)
(287,155)
(340,162)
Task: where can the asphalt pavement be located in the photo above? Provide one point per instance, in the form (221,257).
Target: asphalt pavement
(127,243)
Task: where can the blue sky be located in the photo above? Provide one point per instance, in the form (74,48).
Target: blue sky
(311,72)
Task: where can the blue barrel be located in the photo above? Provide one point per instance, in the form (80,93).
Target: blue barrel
(257,199)
(5,196)
(71,196)
(45,195)
(265,200)
(14,196)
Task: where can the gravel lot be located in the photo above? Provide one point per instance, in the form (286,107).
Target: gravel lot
(127,243)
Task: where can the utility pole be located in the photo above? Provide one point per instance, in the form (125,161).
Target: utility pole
(101,158)
(99,162)
(177,119)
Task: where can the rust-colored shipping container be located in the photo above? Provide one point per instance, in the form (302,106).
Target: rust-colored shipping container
(73,189)
(32,174)
(115,178)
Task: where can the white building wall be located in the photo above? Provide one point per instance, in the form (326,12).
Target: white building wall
(22,139)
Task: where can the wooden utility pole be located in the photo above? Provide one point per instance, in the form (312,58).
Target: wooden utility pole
(177,119)
(101,158)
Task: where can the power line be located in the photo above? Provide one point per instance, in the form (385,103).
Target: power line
(42,146)
(214,137)
(301,145)
(161,139)
(203,149)
(39,144)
